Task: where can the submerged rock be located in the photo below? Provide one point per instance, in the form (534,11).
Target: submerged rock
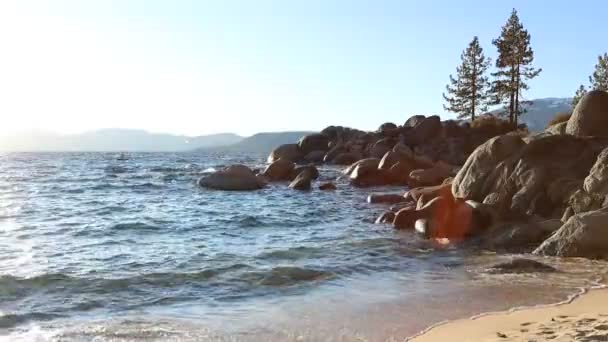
(235,177)
(521,265)
(327,186)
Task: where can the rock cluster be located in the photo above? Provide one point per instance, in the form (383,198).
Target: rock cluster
(546,192)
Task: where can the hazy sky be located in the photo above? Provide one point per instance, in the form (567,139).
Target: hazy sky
(197,67)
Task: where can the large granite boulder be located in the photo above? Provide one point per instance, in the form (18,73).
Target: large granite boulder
(389,159)
(413,121)
(597,180)
(314,142)
(590,117)
(367,163)
(235,177)
(470,182)
(279,170)
(424,131)
(432,176)
(379,149)
(289,152)
(583,235)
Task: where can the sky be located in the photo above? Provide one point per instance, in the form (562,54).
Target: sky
(200,67)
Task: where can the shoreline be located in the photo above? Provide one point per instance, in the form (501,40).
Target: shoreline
(560,321)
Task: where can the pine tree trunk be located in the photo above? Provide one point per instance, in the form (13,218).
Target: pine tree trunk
(517,85)
(512,96)
(474,94)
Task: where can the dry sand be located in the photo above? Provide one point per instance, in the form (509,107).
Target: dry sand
(583,319)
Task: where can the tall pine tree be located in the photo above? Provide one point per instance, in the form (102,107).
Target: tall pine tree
(515,57)
(598,80)
(468,92)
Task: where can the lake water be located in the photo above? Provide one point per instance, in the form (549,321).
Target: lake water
(97,249)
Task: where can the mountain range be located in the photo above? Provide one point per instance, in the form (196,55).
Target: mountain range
(128,140)
(539,112)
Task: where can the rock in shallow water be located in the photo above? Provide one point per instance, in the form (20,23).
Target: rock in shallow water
(235,177)
(279,170)
(327,186)
(521,265)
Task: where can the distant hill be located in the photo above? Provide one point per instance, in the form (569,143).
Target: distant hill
(113,140)
(541,111)
(260,142)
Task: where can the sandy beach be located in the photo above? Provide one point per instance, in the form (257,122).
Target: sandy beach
(583,319)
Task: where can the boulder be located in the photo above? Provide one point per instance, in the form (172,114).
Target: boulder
(235,177)
(406,217)
(289,152)
(583,235)
(334,152)
(433,176)
(403,151)
(314,142)
(315,156)
(302,181)
(518,237)
(386,217)
(597,180)
(379,149)
(346,158)
(279,170)
(424,131)
(399,173)
(327,186)
(470,182)
(385,198)
(368,163)
(429,192)
(590,116)
(582,201)
(389,159)
(312,171)
(413,121)
(386,127)
(365,175)
(521,265)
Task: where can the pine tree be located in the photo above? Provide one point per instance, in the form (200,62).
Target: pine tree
(599,79)
(468,92)
(580,92)
(515,57)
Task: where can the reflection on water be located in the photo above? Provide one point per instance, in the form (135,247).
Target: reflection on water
(118,251)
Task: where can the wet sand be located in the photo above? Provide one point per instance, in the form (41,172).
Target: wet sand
(583,319)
